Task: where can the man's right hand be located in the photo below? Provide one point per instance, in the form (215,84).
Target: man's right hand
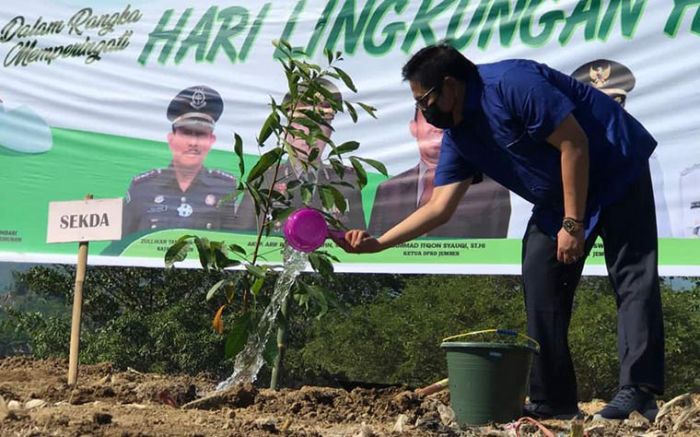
(359,241)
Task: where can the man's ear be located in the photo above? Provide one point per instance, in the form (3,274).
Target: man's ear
(170,136)
(413,127)
(450,80)
(213,138)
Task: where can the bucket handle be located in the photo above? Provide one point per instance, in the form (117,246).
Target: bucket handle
(532,343)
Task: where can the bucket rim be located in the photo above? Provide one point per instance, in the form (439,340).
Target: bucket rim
(485,345)
(534,345)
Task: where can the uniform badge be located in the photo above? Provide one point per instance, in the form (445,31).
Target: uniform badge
(210,200)
(154,209)
(199,100)
(599,75)
(184,210)
(159,199)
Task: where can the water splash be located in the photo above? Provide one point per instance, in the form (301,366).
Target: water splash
(250,359)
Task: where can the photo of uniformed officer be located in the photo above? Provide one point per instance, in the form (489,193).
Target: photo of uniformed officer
(483,212)
(184,194)
(617,81)
(318,173)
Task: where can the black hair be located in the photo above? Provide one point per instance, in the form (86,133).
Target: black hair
(431,64)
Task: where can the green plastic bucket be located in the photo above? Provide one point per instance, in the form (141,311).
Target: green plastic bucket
(488,380)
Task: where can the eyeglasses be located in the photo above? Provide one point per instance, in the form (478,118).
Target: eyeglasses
(420,101)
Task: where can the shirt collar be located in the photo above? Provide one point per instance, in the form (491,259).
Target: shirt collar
(200,178)
(472,95)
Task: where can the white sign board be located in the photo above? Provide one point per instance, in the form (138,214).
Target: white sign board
(85,220)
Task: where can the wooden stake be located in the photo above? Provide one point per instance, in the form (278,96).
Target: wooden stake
(77,309)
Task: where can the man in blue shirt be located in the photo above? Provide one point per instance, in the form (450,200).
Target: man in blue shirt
(582,161)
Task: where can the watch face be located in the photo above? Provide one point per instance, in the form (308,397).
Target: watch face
(569,226)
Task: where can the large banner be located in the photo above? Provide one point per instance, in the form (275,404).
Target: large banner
(92,91)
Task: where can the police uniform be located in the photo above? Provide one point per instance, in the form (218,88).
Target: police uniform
(616,80)
(155,201)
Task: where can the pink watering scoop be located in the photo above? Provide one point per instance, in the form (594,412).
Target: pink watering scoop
(306,230)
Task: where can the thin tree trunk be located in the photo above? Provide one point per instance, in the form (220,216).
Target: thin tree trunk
(281,345)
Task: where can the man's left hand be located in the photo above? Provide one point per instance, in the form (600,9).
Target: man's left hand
(570,248)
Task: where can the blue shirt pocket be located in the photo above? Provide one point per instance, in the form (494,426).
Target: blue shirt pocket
(538,167)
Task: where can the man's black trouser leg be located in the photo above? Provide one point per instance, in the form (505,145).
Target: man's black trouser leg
(628,229)
(549,295)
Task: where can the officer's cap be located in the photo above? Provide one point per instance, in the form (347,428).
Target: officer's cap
(608,76)
(198,105)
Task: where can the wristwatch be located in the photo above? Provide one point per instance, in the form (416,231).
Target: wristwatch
(571,225)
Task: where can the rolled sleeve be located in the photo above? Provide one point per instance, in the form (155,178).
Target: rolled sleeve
(535,101)
(452,167)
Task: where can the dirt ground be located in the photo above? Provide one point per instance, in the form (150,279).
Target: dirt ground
(35,400)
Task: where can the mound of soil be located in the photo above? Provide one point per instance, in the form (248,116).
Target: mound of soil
(35,400)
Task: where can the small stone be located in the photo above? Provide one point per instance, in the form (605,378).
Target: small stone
(34,403)
(637,421)
(268,424)
(400,425)
(102,418)
(14,405)
(364,431)
(447,415)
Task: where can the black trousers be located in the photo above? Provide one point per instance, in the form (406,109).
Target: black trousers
(628,230)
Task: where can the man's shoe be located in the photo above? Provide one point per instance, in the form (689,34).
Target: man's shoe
(628,399)
(544,411)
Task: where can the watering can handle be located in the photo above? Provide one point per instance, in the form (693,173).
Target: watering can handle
(508,332)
